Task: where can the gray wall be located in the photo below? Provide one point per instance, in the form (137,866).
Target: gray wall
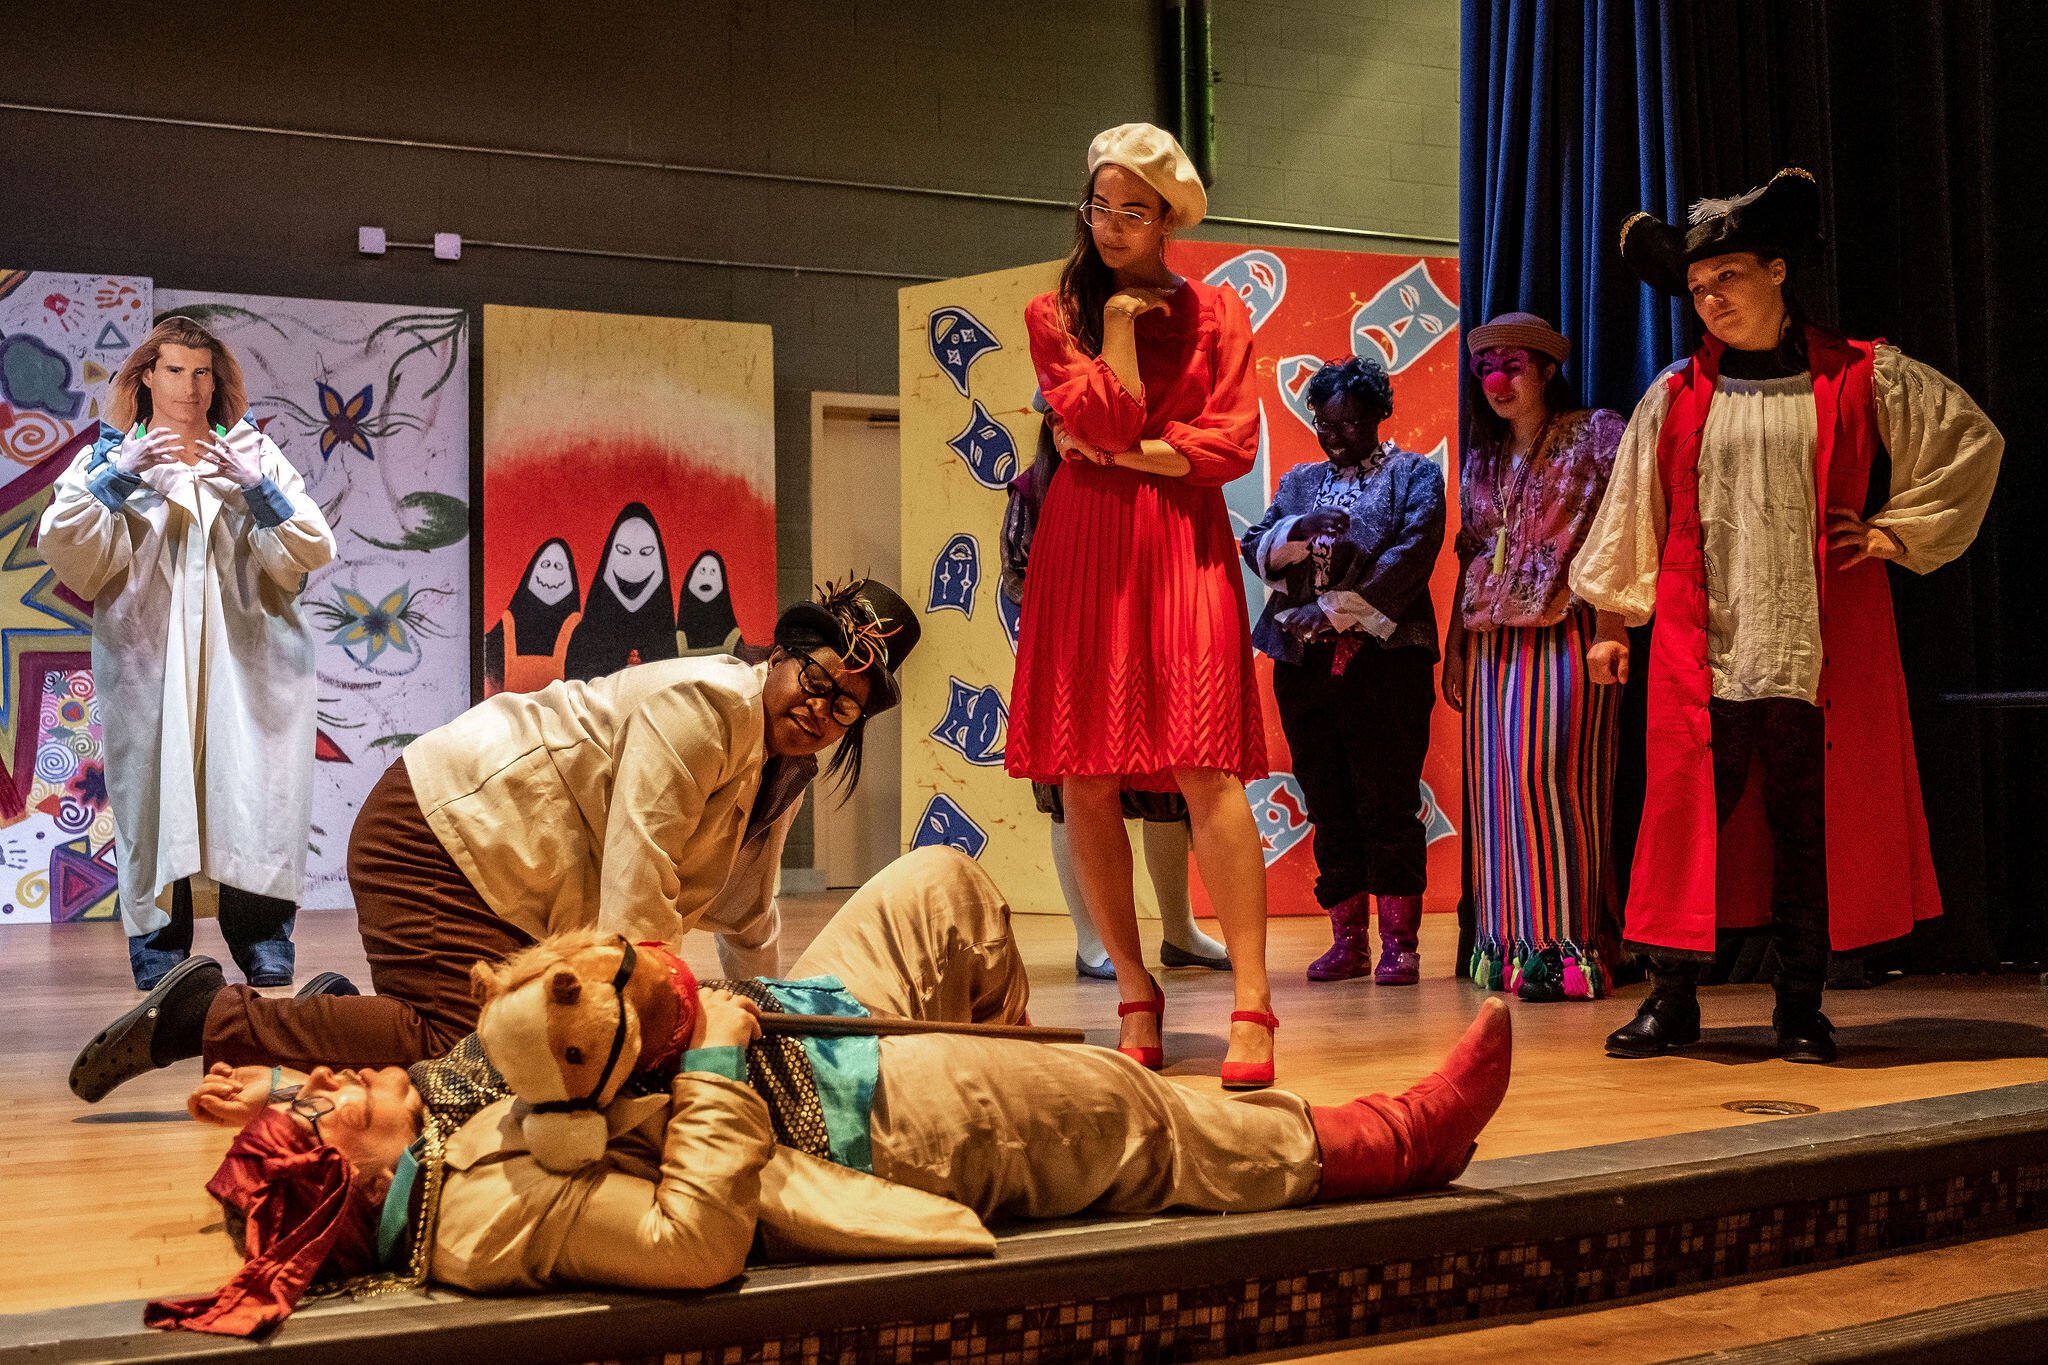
(1339,113)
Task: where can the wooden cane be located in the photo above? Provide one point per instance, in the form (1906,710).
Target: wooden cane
(844,1025)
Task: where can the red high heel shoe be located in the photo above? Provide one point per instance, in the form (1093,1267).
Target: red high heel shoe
(1151,1058)
(1250,1075)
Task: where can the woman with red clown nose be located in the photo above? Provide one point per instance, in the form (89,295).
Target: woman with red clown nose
(1539,736)
(1761,488)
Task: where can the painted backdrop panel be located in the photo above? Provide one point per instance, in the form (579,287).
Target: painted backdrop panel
(629,491)
(969,425)
(370,403)
(61,339)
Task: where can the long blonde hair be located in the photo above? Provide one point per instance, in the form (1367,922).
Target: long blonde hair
(128,398)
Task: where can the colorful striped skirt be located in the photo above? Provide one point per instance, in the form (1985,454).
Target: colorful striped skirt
(1540,743)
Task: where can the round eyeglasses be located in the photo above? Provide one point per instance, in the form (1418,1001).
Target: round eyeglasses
(1098,215)
(817,682)
(311,1108)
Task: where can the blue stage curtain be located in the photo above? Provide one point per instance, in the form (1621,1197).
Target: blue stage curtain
(1566,133)
(1921,119)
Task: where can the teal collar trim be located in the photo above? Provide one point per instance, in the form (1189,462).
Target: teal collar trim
(846,1069)
(396,1217)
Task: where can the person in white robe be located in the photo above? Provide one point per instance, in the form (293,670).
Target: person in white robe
(192,536)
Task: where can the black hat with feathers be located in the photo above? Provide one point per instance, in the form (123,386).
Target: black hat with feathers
(1778,220)
(870,625)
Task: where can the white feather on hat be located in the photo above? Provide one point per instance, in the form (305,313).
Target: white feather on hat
(1154,156)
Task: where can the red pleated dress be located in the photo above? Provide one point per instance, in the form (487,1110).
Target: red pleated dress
(1134,652)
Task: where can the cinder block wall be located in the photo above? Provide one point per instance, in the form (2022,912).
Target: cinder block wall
(1337,113)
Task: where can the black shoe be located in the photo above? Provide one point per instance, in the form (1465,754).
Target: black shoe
(1665,1023)
(327,983)
(1542,978)
(1804,1035)
(1106,972)
(1173,955)
(127,1047)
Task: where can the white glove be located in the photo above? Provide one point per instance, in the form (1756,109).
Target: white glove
(137,455)
(241,465)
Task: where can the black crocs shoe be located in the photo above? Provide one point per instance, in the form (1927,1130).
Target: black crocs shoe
(126,1048)
(327,983)
(1664,1023)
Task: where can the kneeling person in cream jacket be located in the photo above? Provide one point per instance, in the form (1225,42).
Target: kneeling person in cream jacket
(648,802)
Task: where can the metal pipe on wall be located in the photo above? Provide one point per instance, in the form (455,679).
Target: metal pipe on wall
(657,258)
(1187,81)
(684,168)
(1200,84)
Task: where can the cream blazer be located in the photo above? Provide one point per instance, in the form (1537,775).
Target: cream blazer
(686,1179)
(203,660)
(619,803)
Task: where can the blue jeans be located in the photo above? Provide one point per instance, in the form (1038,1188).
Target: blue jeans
(258,930)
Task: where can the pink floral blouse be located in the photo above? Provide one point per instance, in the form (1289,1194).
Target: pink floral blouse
(1544,507)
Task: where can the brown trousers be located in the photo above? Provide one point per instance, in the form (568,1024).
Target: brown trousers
(423,927)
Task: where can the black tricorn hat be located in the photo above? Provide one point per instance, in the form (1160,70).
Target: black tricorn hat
(867,623)
(1779,220)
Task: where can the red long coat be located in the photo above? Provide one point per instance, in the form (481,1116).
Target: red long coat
(1688,877)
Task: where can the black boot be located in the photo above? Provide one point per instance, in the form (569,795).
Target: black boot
(1542,977)
(1669,1018)
(1663,1024)
(1804,1033)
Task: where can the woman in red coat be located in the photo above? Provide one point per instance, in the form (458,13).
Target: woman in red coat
(1134,665)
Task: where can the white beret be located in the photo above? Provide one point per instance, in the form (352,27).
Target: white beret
(1152,154)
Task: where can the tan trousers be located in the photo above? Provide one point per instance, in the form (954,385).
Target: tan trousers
(1032,1129)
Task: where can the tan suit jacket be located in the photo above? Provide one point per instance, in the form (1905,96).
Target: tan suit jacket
(685,1180)
(621,802)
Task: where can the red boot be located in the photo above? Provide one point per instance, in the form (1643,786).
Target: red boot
(1400,922)
(1350,952)
(1423,1138)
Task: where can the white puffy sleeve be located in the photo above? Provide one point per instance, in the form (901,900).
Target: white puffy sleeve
(1616,569)
(1945,455)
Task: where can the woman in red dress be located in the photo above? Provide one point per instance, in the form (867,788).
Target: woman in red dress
(1134,664)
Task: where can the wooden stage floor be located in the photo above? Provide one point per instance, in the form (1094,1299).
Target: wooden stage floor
(105,1202)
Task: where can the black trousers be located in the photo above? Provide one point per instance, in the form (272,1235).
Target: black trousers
(1788,739)
(1358,742)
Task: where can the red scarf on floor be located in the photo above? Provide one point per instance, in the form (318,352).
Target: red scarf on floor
(305,1221)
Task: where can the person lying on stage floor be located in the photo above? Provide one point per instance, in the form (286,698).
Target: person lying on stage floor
(648,802)
(849,1147)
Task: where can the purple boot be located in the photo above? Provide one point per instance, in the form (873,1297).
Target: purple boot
(1350,952)
(1400,964)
